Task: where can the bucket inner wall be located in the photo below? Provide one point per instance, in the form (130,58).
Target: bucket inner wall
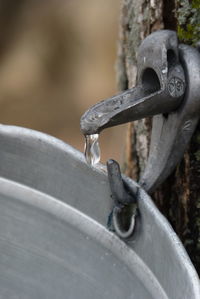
(42,255)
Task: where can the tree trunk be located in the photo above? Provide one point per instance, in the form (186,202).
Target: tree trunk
(179,196)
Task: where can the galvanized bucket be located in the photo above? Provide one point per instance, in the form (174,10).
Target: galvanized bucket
(53,237)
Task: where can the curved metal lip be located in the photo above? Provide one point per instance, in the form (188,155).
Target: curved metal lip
(26,133)
(145,203)
(86,225)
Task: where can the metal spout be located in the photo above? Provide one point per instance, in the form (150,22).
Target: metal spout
(146,99)
(159,90)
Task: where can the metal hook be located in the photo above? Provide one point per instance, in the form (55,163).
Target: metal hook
(168,84)
(171,133)
(125,207)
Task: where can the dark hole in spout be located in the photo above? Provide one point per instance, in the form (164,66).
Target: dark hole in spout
(150,81)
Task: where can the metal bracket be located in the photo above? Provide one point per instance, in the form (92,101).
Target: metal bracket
(122,217)
(171,133)
(168,84)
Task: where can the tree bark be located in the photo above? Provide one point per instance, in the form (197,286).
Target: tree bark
(179,196)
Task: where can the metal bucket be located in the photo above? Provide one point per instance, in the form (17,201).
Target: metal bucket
(53,237)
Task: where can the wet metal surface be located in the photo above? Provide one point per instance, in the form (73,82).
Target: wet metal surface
(168,84)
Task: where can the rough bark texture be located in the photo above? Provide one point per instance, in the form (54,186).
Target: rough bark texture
(179,197)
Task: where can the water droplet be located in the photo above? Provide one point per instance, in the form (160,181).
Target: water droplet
(92,150)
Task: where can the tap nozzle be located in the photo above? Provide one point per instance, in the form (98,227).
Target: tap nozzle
(160,87)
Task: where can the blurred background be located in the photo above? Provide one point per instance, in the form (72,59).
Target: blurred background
(57,58)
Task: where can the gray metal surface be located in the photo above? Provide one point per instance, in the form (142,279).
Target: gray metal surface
(168,84)
(51,250)
(122,217)
(159,69)
(171,135)
(53,239)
